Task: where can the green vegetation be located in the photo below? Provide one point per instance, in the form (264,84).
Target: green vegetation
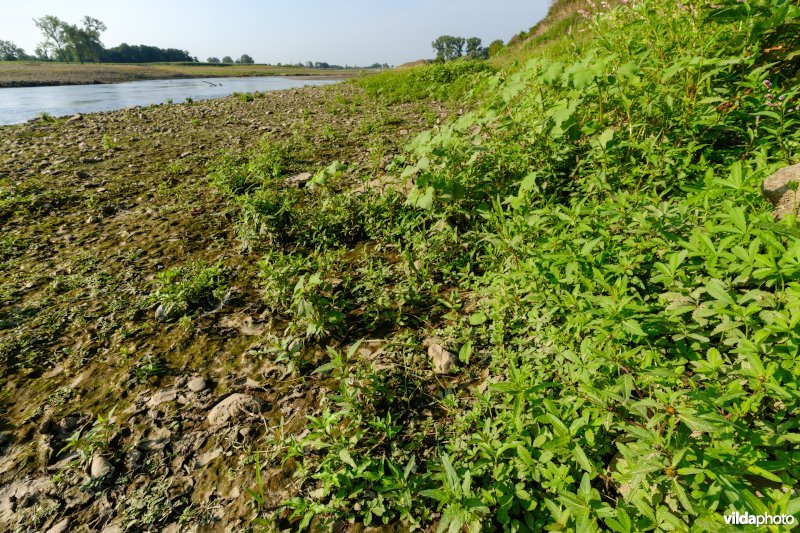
(180,291)
(537,293)
(590,245)
(451,81)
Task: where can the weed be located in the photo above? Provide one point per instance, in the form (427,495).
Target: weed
(184,290)
(109,143)
(96,440)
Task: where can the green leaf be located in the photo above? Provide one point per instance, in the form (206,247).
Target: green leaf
(476,319)
(581,458)
(344,455)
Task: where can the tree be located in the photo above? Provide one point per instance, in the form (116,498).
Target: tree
(475,50)
(10,51)
(212,60)
(448,47)
(245,60)
(495,47)
(227,59)
(55,42)
(64,41)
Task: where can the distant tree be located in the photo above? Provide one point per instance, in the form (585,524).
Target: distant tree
(55,39)
(69,41)
(227,59)
(448,47)
(310,64)
(245,60)
(126,53)
(475,50)
(495,47)
(10,51)
(41,53)
(83,43)
(212,60)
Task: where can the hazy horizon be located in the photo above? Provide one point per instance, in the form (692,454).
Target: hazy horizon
(354,32)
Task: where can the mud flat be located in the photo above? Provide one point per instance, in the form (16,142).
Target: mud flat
(92,209)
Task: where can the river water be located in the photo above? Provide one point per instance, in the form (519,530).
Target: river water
(24,103)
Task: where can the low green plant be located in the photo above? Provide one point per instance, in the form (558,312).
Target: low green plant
(96,440)
(184,290)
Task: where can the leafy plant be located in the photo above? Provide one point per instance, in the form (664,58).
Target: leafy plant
(183,290)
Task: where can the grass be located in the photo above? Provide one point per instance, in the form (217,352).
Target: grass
(25,73)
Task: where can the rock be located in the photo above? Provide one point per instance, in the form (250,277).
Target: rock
(112,529)
(74,118)
(108,210)
(198,384)
(60,527)
(244,324)
(82,174)
(93,220)
(234,408)
(777,191)
(298,180)
(162,396)
(441,359)
(100,467)
(164,313)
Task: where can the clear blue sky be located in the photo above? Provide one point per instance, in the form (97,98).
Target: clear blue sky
(344,31)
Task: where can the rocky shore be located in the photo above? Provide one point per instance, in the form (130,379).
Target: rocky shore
(113,420)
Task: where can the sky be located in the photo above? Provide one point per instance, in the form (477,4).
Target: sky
(353,32)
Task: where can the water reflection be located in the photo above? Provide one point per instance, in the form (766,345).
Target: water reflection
(24,103)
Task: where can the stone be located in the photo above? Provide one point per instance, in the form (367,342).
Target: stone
(234,408)
(776,190)
(100,467)
(74,118)
(60,527)
(441,359)
(299,180)
(198,384)
(162,396)
(82,174)
(108,210)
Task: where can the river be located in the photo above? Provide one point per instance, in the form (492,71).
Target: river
(21,104)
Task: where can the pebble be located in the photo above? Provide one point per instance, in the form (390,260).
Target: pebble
(232,408)
(101,466)
(60,527)
(198,384)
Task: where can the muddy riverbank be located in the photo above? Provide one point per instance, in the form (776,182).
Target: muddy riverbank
(111,417)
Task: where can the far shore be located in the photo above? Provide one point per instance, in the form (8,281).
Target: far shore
(40,74)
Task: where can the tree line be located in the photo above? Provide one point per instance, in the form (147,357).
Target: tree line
(448,47)
(243,60)
(81,43)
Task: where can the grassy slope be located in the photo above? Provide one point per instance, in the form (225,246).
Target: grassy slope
(23,73)
(582,251)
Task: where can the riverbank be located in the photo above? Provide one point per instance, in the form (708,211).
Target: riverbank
(94,209)
(36,74)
